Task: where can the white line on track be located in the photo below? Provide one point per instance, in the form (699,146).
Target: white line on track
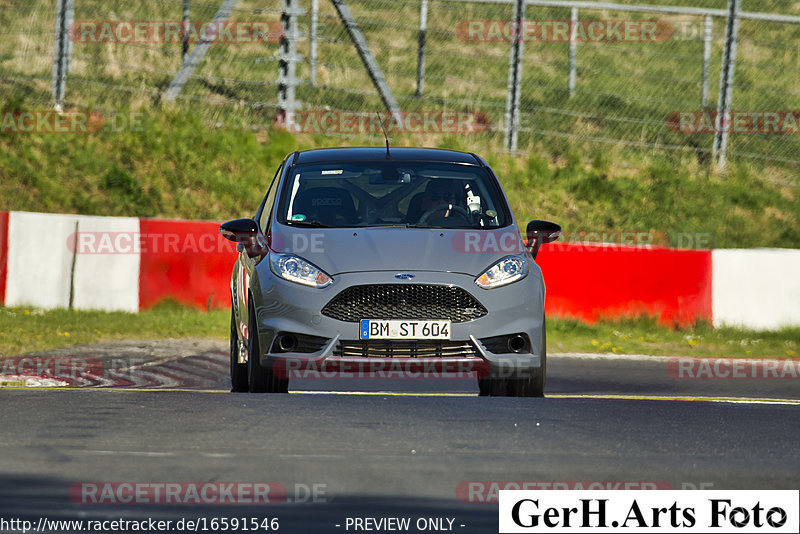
(681,398)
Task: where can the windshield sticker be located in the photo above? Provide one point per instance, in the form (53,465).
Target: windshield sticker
(298,217)
(332,172)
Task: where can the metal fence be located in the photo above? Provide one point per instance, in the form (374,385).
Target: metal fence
(612,76)
(110,68)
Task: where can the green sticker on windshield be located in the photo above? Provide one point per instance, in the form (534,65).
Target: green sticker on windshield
(299,217)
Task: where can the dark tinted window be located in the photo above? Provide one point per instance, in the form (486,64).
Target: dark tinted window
(420,194)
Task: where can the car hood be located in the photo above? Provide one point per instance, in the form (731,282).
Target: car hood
(342,250)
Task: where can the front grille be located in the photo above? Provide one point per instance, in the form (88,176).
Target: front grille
(404,301)
(423,348)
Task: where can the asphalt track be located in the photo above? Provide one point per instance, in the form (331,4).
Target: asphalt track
(390,448)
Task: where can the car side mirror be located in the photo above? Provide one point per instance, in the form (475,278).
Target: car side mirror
(239,230)
(539,233)
(245,233)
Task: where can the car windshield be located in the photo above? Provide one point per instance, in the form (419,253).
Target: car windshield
(407,193)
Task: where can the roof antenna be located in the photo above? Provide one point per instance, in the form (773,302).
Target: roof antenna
(388,156)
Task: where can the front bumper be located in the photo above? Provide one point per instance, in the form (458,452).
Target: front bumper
(285,307)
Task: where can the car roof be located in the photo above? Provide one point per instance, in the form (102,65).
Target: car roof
(323,155)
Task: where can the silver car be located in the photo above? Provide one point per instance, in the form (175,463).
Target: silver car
(369,260)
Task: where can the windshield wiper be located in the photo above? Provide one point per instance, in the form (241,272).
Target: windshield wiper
(310,224)
(439,227)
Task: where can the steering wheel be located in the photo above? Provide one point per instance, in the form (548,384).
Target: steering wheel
(423,219)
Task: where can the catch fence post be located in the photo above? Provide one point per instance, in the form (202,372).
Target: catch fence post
(722,123)
(514,79)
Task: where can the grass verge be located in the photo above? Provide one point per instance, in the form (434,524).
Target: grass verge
(25,330)
(177,166)
(645,336)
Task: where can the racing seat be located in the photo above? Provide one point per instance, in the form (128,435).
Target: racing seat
(415,208)
(331,206)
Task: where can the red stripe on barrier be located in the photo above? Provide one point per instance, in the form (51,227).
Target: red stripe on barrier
(3,255)
(591,282)
(186,261)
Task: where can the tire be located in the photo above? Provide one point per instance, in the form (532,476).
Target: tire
(261,379)
(540,380)
(491,387)
(531,386)
(238,370)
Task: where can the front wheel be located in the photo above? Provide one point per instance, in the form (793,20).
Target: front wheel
(528,386)
(492,387)
(532,386)
(262,379)
(238,370)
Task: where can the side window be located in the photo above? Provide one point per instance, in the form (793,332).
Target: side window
(266,207)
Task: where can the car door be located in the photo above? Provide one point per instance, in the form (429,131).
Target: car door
(247,261)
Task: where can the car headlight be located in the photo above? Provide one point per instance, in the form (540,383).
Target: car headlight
(508,270)
(296,269)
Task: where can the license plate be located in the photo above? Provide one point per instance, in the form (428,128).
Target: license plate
(393,329)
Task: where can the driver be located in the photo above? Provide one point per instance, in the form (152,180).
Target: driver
(440,194)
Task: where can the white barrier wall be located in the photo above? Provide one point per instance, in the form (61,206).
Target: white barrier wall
(39,262)
(41,249)
(107,264)
(756,288)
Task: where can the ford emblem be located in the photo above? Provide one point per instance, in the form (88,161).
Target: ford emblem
(404,276)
